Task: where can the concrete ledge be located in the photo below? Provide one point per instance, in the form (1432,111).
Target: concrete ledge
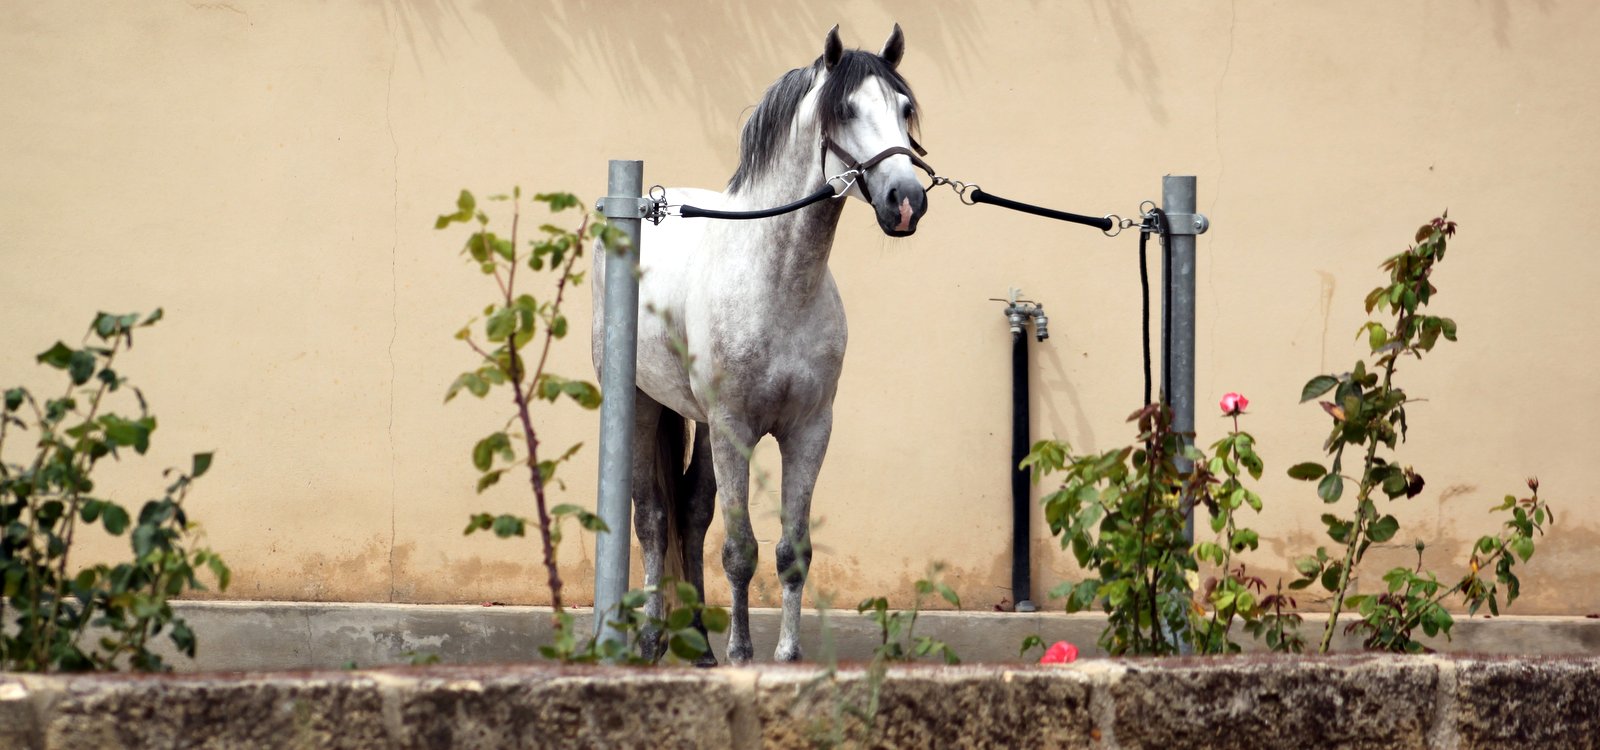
(309,635)
(1239,702)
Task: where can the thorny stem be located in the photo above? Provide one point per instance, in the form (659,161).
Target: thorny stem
(1359,530)
(535,477)
(74,498)
(1154,451)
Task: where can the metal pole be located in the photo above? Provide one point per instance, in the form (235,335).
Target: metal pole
(1178,201)
(617,381)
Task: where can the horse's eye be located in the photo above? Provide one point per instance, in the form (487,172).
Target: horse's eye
(906,111)
(848,112)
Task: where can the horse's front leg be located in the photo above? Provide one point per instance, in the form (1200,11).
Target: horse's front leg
(730,449)
(802,450)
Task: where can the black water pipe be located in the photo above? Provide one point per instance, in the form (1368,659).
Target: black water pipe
(1021,508)
(1018,313)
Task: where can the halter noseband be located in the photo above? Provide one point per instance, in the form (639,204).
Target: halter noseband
(861,167)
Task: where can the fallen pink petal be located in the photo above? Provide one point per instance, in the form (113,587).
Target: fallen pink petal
(1061,652)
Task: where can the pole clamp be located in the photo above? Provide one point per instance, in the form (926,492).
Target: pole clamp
(618,207)
(1188,223)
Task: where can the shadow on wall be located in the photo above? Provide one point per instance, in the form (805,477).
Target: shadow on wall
(659,51)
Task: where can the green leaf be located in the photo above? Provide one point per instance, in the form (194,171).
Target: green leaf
(14,398)
(1330,488)
(1307,471)
(586,394)
(116,518)
(1330,576)
(509,526)
(501,324)
(1383,529)
(155,316)
(688,645)
(680,618)
(489,479)
(687,595)
(1523,546)
(144,540)
(484,452)
(715,619)
(1377,336)
(478,522)
(221,571)
(202,464)
(90,510)
(1394,485)
(558,201)
(1317,386)
(1338,530)
(58,356)
(471,381)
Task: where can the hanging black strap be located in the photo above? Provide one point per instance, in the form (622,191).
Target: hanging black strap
(977,195)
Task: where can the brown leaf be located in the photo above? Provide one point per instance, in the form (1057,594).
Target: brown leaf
(1333,410)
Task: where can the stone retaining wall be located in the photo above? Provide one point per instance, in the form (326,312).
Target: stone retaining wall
(1242,702)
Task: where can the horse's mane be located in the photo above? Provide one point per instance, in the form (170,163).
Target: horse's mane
(772,122)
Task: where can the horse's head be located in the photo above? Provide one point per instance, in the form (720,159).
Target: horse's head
(866,111)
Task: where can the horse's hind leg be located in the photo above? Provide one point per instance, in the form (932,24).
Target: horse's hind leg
(802,451)
(697,503)
(650,507)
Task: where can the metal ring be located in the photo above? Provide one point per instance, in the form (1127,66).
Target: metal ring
(962,192)
(1118,224)
(662,197)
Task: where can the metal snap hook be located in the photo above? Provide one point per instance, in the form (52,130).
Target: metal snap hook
(848,178)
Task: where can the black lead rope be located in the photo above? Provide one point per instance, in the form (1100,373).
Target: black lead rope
(1157,224)
(696,212)
(977,195)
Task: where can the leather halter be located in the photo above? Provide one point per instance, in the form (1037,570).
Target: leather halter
(861,167)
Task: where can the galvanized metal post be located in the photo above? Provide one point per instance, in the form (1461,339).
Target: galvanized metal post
(617,378)
(1178,201)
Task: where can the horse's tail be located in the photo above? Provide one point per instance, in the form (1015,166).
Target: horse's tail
(672,437)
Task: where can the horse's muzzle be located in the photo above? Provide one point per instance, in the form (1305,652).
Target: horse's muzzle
(900,207)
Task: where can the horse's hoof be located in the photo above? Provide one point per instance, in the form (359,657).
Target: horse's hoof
(707,659)
(788,655)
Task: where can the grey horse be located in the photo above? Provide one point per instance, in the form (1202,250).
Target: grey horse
(741,329)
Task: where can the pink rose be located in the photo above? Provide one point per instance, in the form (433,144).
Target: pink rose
(1233,404)
(1060,652)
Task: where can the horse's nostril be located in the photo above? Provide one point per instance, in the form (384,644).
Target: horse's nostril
(894,196)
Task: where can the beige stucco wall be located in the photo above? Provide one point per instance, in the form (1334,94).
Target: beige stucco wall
(269,171)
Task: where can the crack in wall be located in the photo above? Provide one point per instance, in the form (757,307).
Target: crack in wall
(394,291)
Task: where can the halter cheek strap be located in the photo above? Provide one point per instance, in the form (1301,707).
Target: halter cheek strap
(861,167)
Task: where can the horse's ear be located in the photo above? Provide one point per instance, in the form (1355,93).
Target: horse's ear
(895,48)
(832,49)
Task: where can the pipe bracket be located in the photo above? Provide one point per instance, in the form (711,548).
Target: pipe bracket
(1192,224)
(617,207)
